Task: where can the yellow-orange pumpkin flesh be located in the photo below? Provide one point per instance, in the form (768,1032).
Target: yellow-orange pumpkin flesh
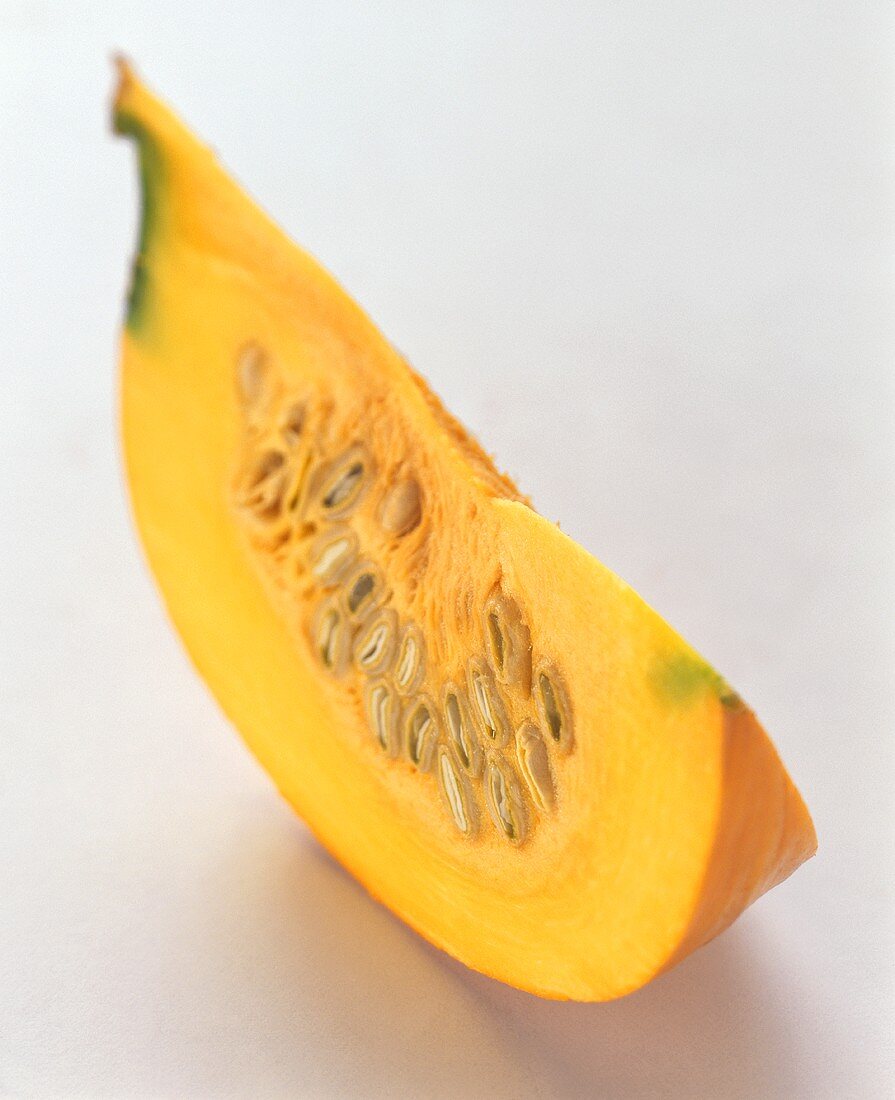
(487,727)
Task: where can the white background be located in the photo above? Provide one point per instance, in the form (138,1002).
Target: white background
(645,251)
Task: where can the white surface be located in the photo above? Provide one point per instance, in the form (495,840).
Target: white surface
(645,251)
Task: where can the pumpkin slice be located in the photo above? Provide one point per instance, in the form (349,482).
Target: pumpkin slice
(486,726)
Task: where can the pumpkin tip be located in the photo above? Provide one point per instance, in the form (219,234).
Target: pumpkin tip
(125,80)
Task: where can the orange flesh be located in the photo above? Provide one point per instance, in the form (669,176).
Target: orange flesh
(672,809)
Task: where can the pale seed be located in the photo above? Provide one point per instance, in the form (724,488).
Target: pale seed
(421,731)
(410,661)
(401,507)
(332,555)
(293,424)
(364,591)
(383,712)
(330,636)
(252,375)
(487,705)
(374,646)
(456,793)
(299,487)
(262,481)
(261,489)
(345,482)
(554,710)
(267,463)
(504,800)
(460,730)
(534,764)
(509,642)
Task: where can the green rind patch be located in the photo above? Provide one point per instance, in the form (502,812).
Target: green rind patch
(151,182)
(682,677)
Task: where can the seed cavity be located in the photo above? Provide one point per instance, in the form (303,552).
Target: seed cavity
(344,485)
(460,730)
(487,705)
(421,732)
(509,642)
(330,636)
(456,793)
(552,701)
(504,800)
(383,712)
(401,508)
(375,644)
(534,766)
(410,661)
(295,504)
(332,555)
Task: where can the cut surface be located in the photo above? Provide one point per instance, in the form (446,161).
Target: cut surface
(494,733)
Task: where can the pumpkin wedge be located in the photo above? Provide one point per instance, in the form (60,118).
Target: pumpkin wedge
(486,726)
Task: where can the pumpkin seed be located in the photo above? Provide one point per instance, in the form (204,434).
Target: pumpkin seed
(495,638)
(266,464)
(534,764)
(375,644)
(456,793)
(296,493)
(261,488)
(360,591)
(421,732)
(293,423)
(332,554)
(343,486)
(487,705)
(504,800)
(263,477)
(252,374)
(364,591)
(401,507)
(509,642)
(410,662)
(383,711)
(460,730)
(329,634)
(552,701)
